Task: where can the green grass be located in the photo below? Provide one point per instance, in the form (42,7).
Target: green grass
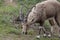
(6,14)
(8,30)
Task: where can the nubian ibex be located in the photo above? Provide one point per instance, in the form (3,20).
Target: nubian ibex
(40,12)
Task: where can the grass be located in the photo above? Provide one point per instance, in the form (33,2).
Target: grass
(6,14)
(8,30)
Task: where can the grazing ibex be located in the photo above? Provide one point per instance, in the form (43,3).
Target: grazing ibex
(40,12)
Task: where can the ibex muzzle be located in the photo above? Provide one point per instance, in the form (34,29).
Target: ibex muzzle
(24,28)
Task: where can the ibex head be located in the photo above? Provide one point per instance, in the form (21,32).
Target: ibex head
(23,19)
(25,24)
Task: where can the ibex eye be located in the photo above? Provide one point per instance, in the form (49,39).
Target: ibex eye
(32,19)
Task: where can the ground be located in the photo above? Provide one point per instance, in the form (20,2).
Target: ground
(24,37)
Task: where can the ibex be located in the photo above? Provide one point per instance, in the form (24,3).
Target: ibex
(41,12)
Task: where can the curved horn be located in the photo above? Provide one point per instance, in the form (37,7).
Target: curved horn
(21,15)
(25,19)
(20,18)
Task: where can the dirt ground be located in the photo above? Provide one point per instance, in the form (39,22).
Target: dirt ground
(17,37)
(23,37)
